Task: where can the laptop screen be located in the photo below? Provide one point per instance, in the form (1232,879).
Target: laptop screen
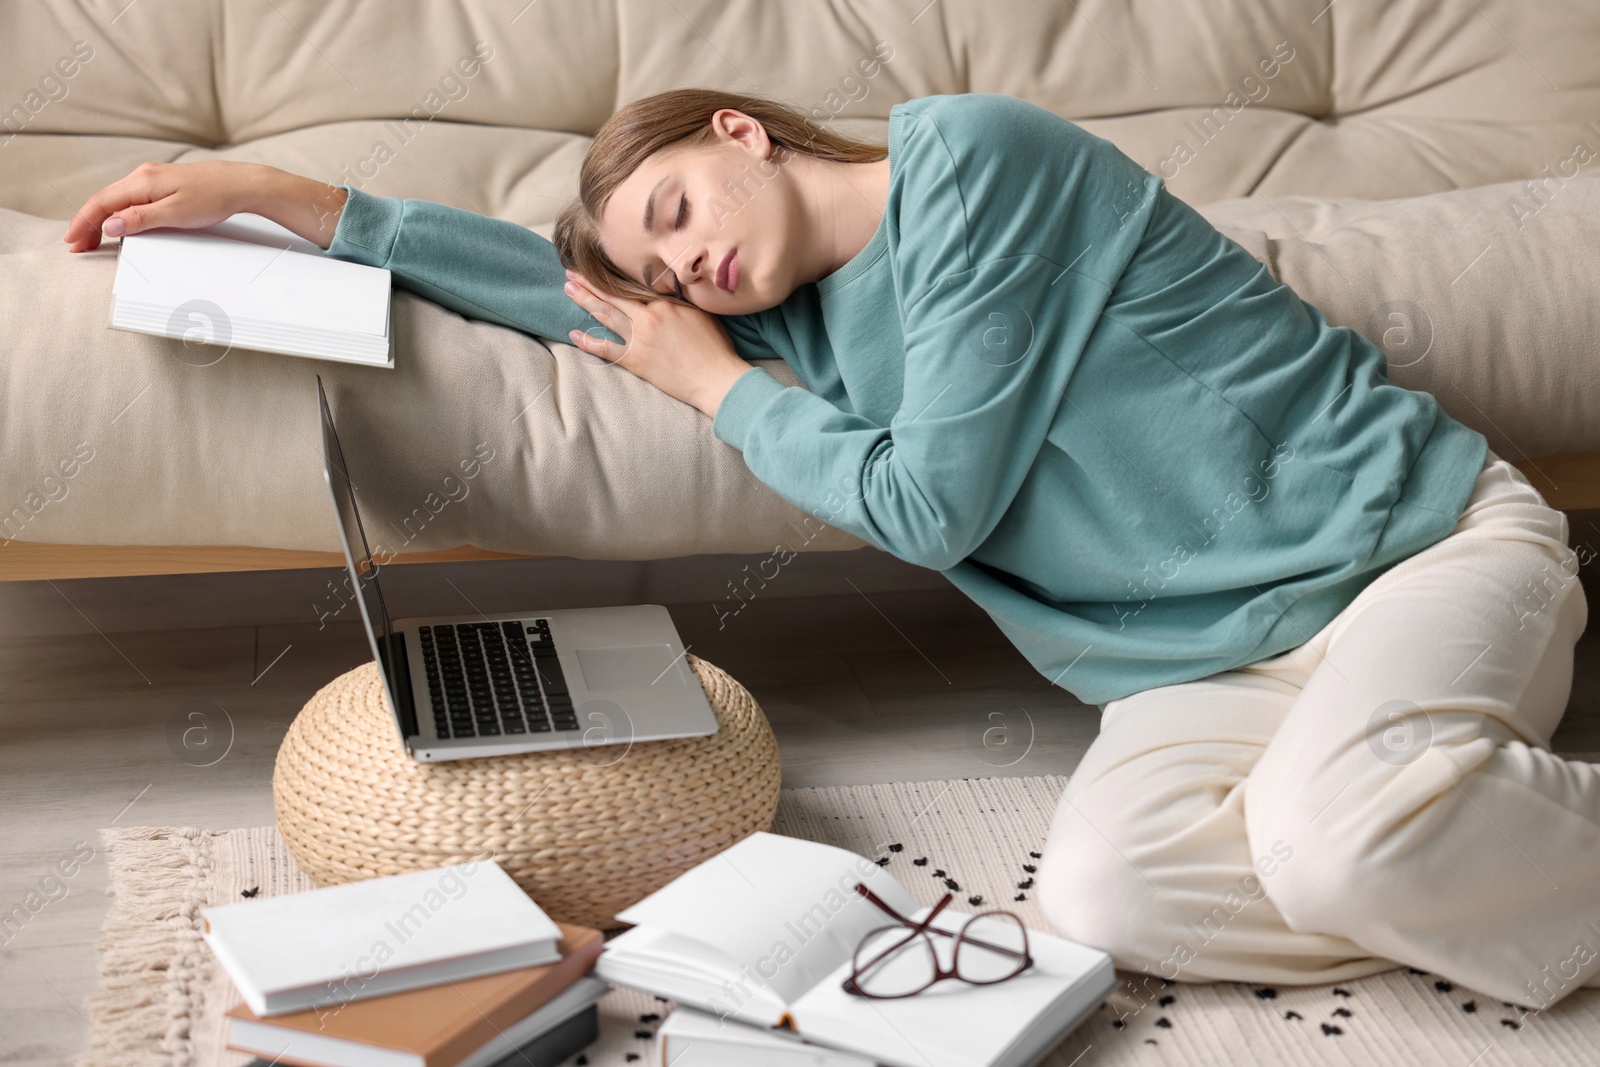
(357,554)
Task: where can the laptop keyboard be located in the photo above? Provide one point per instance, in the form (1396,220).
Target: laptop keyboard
(488,679)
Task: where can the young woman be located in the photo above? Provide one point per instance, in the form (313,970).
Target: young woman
(1330,633)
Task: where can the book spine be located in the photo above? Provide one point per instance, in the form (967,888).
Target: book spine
(493,1019)
(559,1044)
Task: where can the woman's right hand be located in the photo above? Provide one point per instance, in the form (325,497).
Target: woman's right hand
(195,195)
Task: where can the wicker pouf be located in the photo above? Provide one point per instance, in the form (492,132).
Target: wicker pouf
(585,831)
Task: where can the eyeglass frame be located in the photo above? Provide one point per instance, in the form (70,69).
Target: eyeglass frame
(923,928)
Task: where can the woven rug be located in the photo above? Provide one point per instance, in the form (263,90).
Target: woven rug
(161,998)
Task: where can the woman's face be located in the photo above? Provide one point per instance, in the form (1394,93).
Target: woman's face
(713,220)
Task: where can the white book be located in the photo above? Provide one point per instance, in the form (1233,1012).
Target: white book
(381,935)
(691,1038)
(248,282)
(765,931)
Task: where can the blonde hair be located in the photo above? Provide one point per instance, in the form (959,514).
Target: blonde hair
(678,118)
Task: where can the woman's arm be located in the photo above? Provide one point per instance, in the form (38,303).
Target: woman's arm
(988,357)
(481,267)
(1014,225)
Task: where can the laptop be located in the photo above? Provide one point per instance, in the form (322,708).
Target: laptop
(467,686)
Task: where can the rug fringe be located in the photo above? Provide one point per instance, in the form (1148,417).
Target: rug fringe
(142,1013)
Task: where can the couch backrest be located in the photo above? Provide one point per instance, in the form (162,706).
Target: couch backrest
(488,103)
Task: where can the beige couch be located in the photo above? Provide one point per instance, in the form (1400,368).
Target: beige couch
(1320,116)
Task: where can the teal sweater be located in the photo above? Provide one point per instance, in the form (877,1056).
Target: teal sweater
(1054,382)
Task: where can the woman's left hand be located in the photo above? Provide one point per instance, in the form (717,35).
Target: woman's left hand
(679,349)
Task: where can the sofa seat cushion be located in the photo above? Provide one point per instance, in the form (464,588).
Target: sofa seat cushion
(1487,297)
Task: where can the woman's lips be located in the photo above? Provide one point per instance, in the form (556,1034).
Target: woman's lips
(728,271)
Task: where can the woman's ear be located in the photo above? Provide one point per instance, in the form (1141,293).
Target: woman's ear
(732,125)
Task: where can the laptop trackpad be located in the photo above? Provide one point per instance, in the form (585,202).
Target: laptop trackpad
(628,667)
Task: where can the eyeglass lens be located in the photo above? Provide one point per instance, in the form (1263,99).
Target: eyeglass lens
(1001,954)
(898,962)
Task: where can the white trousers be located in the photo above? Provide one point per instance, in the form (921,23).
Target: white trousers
(1382,795)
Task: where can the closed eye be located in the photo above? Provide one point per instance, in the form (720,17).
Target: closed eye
(683,211)
(677,224)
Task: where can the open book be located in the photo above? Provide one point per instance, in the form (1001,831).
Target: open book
(248,282)
(764,933)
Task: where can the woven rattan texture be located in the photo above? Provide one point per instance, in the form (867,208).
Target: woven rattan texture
(585,831)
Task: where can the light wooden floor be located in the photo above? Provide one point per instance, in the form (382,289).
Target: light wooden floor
(869,670)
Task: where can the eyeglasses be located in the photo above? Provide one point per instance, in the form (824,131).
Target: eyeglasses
(907,963)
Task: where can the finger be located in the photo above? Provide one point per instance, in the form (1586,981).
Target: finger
(625,302)
(609,351)
(600,307)
(125,199)
(87,221)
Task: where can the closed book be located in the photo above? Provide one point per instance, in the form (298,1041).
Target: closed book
(556,1046)
(364,939)
(553,1047)
(546,1047)
(248,282)
(472,1022)
(691,1038)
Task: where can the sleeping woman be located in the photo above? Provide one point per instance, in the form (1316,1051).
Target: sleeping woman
(1328,632)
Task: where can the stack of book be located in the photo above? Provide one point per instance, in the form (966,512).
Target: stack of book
(756,943)
(451,967)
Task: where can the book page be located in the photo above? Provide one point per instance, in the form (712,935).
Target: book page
(783,909)
(255,271)
(689,972)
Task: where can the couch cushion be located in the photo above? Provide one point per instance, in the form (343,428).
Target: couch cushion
(1371,98)
(1482,297)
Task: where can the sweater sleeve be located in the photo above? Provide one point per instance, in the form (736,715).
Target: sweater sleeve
(980,394)
(988,349)
(481,267)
